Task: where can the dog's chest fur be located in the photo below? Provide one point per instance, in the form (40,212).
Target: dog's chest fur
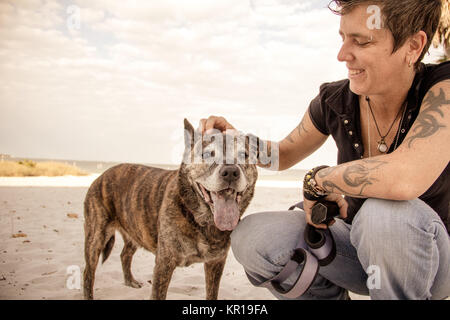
(148,207)
(201,250)
(191,242)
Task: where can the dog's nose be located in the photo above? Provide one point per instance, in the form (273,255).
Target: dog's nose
(230,173)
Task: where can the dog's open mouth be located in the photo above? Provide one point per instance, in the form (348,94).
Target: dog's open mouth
(224,205)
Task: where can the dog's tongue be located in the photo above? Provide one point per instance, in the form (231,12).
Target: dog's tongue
(226,210)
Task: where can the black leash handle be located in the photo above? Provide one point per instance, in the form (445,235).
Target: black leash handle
(324,211)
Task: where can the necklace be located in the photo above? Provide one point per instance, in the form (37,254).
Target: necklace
(382,146)
(368,132)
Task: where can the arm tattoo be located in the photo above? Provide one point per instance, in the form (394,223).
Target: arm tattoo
(289,138)
(300,129)
(326,172)
(355,176)
(331,187)
(426,123)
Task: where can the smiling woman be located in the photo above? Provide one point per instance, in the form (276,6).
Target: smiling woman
(389,120)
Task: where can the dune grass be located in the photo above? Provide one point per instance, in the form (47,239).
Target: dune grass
(28,168)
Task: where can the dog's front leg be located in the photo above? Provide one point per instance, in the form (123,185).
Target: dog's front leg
(162,273)
(213,273)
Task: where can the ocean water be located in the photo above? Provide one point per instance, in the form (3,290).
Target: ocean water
(98,167)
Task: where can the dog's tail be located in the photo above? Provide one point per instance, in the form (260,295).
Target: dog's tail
(108,248)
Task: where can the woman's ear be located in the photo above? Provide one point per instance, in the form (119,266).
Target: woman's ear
(415,46)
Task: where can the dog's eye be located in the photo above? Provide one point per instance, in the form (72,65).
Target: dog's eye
(242,155)
(207,155)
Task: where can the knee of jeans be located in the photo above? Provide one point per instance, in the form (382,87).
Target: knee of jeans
(387,219)
(256,241)
(243,240)
(239,237)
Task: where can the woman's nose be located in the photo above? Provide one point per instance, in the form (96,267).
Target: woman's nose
(344,53)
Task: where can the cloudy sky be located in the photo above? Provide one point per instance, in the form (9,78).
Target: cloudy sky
(113,80)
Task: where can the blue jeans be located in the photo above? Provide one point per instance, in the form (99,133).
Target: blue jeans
(392,250)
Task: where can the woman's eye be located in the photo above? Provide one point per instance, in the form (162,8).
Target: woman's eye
(362,43)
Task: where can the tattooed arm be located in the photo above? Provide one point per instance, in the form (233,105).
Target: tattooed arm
(410,170)
(300,143)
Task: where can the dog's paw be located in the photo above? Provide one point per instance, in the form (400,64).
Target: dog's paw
(134,284)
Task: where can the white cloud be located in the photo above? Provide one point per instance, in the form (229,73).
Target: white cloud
(167,60)
(119,87)
(30,13)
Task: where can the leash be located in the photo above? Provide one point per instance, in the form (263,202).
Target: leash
(316,248)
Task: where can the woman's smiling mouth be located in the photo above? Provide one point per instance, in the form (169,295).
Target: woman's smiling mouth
(353,73)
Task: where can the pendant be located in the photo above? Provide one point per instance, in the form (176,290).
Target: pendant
(382,147)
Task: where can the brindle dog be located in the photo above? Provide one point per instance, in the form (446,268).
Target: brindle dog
(183,216)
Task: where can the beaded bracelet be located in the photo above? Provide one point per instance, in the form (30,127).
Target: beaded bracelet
(311,190)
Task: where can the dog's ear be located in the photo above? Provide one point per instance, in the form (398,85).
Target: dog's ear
(188,125)
(188,134)
(189,138)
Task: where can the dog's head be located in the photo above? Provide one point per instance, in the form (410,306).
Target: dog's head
(218,176)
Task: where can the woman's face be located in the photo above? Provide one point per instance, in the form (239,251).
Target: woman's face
(372,67)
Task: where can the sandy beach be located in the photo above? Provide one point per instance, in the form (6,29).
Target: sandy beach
(45,259)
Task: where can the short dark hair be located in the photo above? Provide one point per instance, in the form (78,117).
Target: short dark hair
(403,18)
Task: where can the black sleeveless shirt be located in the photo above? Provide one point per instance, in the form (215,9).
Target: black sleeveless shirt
(336,111)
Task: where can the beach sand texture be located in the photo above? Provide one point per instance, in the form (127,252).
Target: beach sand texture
(47,224)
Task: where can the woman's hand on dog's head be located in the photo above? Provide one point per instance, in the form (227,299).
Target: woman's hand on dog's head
(214,122)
